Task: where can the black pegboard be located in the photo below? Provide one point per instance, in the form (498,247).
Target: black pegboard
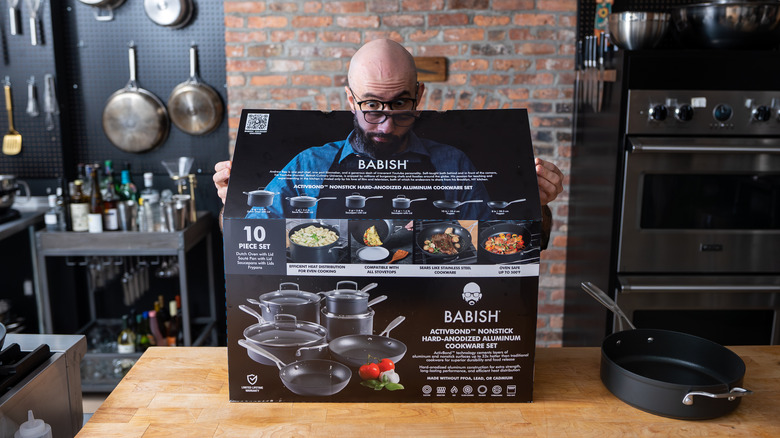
(96,65)
(89,60)
(42,153)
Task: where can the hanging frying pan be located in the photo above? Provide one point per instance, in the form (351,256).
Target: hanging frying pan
(357,350)
(195,107)
(134,119)
(669,373)
(312,377)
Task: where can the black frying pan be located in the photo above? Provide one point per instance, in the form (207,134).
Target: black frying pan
(448,204)
(504,228)
(669,373)
(357,350)
(427,232)
(358,227)
(312,377)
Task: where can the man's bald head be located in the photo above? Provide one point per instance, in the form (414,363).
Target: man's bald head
(382,67)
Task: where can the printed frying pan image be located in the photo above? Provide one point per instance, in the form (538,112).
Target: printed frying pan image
(312,377)
(357,350)
(427,233)
(496,232)
(448,204)
(384,229)
(503,204)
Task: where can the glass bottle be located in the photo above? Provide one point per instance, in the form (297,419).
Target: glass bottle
(126,341)
(95,202)
(79,208)
(52,217)
(151,198)
(127,190)
(175,324)
(108,177)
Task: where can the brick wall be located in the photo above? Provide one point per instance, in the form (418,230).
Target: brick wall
(500,53)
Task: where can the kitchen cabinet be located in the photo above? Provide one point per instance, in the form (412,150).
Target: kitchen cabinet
(199,327)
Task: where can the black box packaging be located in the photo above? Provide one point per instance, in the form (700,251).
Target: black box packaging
(428,258)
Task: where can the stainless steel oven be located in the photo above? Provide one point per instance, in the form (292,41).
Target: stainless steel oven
(700,214)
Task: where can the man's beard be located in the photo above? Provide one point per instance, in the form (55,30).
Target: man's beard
(364,142)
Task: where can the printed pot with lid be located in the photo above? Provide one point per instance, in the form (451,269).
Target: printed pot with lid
(290,300)
(287,338)
(346,300)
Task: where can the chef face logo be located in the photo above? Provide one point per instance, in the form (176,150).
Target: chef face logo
(251,378)
(471,293)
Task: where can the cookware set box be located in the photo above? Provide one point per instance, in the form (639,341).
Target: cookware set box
(411,276)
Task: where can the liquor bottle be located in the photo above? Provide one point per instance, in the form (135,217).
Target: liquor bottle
(127,191)
(151,199)
(150,340)
(174,324)
(83,177)
(79,208)
(108,177)
(159,338)
(52,218)
(143,219)
(179,323)
(163,317)
(110,200)
(126,341)
(95,202)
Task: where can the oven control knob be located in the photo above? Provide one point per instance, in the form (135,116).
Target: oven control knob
(683,113)
(722,112)
(762,113)
(658,113)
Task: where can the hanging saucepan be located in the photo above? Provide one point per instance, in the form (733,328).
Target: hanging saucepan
(669,373)
(509,255)
(448,204)
(195,107)
(356,350)
(286,337)
(347,301)
(355,200)
(134,119)
(169,13)
(402,201)
(314,377)
(427,233)
(259,198)
(290,300)
(104,5)
(503,204)
(304,201)
(328,253)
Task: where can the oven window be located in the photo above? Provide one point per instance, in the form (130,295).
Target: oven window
(724,202)
(726,327)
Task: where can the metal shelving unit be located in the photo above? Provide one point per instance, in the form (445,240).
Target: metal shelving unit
(70,244)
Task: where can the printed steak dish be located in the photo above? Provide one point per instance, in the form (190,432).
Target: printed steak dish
(443,243)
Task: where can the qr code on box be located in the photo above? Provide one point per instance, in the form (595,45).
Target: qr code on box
(256,123)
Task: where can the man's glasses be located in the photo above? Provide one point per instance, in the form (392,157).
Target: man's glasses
(374,110)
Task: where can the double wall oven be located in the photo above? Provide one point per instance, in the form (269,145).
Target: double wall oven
(680,219)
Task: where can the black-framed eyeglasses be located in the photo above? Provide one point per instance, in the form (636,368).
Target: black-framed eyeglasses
(404,118)
(397,104)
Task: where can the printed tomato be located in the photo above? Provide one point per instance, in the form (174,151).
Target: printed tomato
(386,364)
(369,371)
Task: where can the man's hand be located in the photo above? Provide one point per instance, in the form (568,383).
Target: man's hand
(549,178)
(221,177)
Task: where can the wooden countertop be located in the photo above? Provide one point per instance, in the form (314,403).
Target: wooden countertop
(183,391)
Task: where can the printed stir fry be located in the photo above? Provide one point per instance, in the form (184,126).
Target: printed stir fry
(505,243)
(314,236)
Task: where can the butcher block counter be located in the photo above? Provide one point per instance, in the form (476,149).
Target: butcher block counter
(183,392)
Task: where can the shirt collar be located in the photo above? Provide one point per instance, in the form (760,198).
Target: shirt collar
(415,146)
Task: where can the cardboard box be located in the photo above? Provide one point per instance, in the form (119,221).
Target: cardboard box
(458,321)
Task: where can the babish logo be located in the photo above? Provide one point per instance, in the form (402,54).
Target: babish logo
(251,378)
(471,293)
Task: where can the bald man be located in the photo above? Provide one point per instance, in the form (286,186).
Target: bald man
(383,94)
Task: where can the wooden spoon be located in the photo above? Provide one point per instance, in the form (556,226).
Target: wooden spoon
(398,255)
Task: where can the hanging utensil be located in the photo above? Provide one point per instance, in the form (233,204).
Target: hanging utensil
(13,16)
(32,7)
(194,106)
(12,141)
(600,92)
(50,105)
(32,98)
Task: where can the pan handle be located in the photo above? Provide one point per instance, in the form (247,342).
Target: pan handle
(352,283)
(253,312)
(377,300)
(262,352)
(731,395)
(301,351)
(393,324)
(604,299)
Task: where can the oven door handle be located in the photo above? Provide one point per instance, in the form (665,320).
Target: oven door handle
(685,288)
(711,146)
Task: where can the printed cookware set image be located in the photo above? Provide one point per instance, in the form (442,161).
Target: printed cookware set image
(313,358)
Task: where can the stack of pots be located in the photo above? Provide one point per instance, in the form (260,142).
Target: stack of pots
(348,311)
